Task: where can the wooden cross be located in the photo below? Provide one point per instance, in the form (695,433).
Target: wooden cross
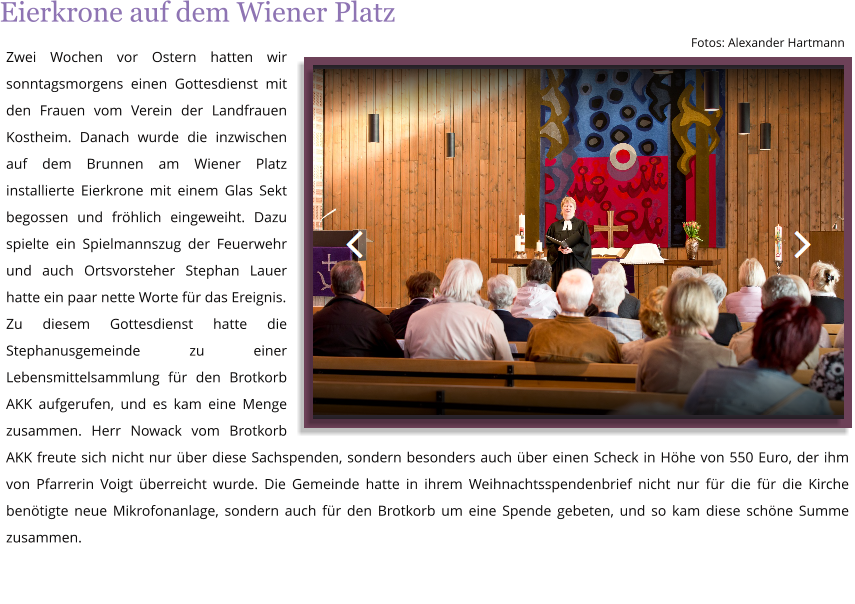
(611,228)
(330,263)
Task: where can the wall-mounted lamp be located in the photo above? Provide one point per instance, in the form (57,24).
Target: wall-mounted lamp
(374,117)
(711,91)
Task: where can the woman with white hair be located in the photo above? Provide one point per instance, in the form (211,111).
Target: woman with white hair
(574,247)
(501,291)
(745,303)
(675,362)
(630,305)
(608,294)
(823,279)
(728,323)
(455,325)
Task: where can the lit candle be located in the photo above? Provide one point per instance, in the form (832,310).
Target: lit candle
(539,247)
(522,228)
(779,244)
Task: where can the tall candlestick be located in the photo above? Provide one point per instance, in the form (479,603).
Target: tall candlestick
(779,244)
(539,247)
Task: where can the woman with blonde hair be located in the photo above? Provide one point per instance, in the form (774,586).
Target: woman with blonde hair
(673,363)
(745,303)
(568,242)
(652,325)
(823,279)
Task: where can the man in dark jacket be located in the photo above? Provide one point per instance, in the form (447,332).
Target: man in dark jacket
(421,288)
(347,326)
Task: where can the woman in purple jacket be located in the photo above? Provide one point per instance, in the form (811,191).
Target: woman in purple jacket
(745,303)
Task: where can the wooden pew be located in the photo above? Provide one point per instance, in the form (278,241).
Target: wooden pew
(386,310)
(823,351)
(599,376)
(346,398)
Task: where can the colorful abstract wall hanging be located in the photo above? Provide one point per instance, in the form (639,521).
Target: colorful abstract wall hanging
(635,151)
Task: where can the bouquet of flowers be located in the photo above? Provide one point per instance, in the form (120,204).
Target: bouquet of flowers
(693,229)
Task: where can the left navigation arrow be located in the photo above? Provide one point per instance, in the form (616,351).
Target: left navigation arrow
(350,244)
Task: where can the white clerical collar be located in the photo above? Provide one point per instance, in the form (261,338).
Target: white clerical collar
(568,226)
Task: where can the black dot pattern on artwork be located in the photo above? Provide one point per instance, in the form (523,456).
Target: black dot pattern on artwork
(601,77)
(585,89)
(600,121)
(620,134)
(615,95)
(596,103)
(644,123)
(647,147)
(622,77)
(627,112)
(594,142)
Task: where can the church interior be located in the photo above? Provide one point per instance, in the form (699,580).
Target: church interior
(474,163)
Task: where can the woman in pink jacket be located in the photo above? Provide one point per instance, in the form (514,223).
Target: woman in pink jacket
(745,303)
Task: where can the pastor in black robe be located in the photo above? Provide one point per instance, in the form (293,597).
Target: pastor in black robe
(579,241)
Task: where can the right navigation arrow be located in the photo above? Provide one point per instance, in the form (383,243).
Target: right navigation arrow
(803,240)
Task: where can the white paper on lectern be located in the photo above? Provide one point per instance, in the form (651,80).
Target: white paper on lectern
(643,253)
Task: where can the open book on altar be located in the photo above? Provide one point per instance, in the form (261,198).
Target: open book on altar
(643,253)
(616,252)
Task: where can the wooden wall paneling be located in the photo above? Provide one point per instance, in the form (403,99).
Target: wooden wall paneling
(824,158)
(783,151)
(361,157)
(837,145)
(336,160)
(447,177)
(754,206)
(493,166)
(353,147)
(373,201)
(505,247)
(804,162)
(462,175)
(472,168)
(461,221)
(392,190)
(387,121)
(815,207)
(520,155)
(440,128)
(329,125)
(732,98)
(430,176)
(794,168)
(404,170)
(763,178)
(772,100)
(413,176)
(486,222)
(422,193)
(510,156)
(742,179)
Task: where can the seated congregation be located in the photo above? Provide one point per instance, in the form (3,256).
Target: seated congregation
(738,362)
